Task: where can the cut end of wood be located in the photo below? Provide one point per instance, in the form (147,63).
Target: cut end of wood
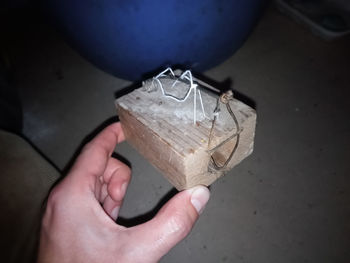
(187,153)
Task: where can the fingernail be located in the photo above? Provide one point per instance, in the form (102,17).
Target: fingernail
(199,198)
(123,188)
(114,213)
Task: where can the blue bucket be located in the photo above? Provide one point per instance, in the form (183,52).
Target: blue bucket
(130,38)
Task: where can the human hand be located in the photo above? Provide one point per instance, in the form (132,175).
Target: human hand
(79,221)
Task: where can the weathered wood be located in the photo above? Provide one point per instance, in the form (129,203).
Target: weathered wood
(158,128)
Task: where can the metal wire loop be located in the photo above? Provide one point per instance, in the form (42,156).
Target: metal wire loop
(213,165)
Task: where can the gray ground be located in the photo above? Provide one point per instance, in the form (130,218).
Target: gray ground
(288,202)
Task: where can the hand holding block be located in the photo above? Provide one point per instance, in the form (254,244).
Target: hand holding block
(190,135)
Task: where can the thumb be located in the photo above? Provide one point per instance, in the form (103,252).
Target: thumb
(172,223)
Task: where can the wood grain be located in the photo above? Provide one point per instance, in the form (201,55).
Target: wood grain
(180,149)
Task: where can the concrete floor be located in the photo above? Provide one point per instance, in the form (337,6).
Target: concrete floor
(288,202)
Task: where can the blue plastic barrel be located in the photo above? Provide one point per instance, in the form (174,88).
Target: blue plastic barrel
(129,38)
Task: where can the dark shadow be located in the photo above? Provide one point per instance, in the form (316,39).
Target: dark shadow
(88,138)
(128,89)
(37,150)
(122,159)
(140,219)
(221,86)
(245,99)
(225,85)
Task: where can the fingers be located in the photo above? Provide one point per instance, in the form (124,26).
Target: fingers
(116,180)
(93,159)
(172,223)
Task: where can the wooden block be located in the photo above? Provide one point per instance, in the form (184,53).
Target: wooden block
(161,128)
